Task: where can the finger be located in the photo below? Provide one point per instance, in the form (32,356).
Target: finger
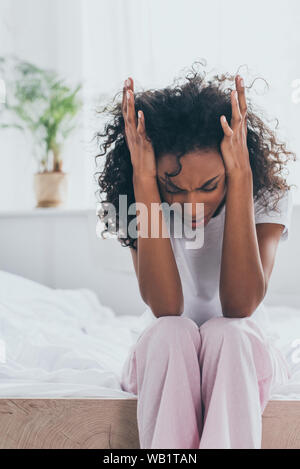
(124,102)
(241,95)
(243,102)
(236,115)
(131,114)
(141,124)
(228,132)
(128,84)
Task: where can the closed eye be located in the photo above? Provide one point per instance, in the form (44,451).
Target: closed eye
(210,189)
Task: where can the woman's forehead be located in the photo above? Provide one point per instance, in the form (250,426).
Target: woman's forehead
(208,163)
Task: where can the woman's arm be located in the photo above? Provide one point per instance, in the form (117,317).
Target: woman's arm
(155,265)
(242,283)
(248,253)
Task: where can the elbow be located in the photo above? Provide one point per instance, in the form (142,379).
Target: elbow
(239,311)
(164,304)
(166,309)
(163,313)
(243,308)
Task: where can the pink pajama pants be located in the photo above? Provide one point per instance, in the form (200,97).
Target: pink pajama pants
(200,387)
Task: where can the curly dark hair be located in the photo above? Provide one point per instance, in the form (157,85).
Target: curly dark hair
(182,118)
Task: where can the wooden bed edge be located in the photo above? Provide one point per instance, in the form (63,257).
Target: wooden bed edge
(110,423)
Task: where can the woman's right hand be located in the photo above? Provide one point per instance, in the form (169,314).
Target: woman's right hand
(140,146)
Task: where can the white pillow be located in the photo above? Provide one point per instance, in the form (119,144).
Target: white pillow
(16,287)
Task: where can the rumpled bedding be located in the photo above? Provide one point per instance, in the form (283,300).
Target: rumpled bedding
(61,343)
(64,343)
(284,329)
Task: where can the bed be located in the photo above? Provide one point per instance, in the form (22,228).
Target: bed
(61,356)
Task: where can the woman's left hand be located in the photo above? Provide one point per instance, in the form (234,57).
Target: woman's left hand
(234,144)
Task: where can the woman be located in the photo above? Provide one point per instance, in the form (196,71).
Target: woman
(204,368)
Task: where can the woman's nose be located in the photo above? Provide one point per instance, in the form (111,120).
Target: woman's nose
(195,208)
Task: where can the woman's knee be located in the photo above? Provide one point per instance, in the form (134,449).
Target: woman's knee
(221,328)
(170,329)
(237,334)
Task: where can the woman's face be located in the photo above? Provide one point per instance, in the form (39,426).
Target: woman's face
(201,179)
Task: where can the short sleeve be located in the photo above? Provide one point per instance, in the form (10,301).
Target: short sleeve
(281,215)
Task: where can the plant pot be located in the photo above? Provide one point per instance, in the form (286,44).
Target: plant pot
(50,188)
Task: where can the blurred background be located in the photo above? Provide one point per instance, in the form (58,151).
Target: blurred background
(84,50)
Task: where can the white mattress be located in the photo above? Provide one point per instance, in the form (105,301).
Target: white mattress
(65,343)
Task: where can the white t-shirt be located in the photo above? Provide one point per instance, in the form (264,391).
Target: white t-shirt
(199,268)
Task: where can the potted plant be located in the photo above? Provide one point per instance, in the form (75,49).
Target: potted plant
(41,103)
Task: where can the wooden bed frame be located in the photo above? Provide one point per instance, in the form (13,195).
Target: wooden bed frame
(111,424)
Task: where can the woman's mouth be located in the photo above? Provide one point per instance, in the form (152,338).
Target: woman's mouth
(196,223)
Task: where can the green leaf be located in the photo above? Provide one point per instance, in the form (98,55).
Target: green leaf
(40,102)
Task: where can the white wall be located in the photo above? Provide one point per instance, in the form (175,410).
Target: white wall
(103,41)
(60,249)
(48,33)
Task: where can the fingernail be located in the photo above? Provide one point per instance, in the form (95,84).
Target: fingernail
(128,82)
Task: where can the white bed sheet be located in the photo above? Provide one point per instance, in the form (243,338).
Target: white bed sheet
(284,329)
(61,343)
(65,343)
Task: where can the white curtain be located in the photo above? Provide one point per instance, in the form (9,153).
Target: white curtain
(101,42)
